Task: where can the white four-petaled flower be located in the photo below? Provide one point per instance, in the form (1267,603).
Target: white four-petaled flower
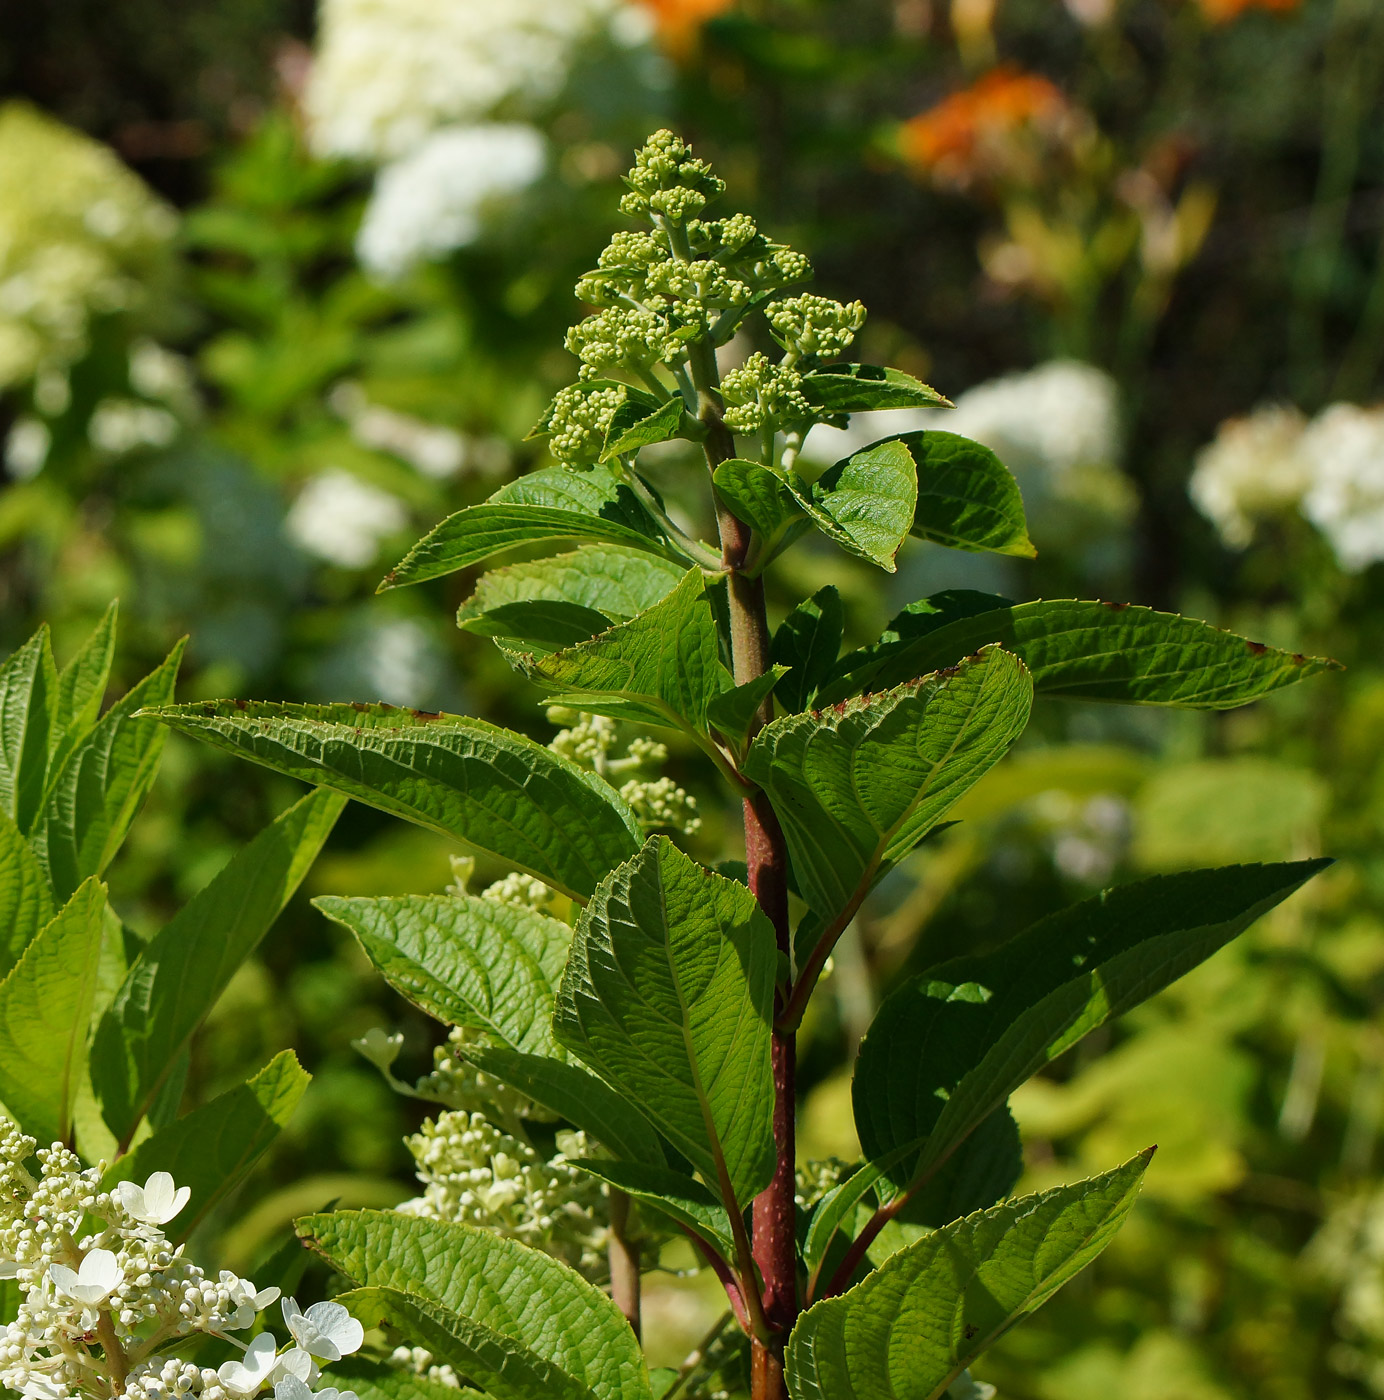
(245,1376)
(291,1388)
(327,1331)
(156,1202)
(93,1282)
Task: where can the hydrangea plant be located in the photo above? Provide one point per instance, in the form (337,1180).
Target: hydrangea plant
(622,990)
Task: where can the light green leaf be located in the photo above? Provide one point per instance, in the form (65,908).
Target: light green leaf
(45,1016)
(466,961)
(1083,651)
(866,504)
(679,1197)
(664,423)
(910,1329)
(733,711)
(808,642)
(494,790)
(967,498)
(861,388)
(948,1046)
(662,668)
(81,688)
(763,500)
(96,795)
(378,1380)
(518,1293)
(554,504)
(575,1094)
(186,966)
(603,578)
(859,785)
(668,996)
(25,901)
(212,1149)
(28,686)
(503,1363)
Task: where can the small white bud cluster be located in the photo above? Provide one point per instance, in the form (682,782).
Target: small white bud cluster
(474,1172)
(456,1083)
(814,1179)
(522,891)
(419,1361)
(103,1289)
(662,805)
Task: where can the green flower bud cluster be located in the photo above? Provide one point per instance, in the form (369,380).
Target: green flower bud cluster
(813,325)
(580,419)
(669,181)
(476,1173)
(760,392)
(637,340)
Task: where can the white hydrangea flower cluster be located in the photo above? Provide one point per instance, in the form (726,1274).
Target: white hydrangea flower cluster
(344,520)
(590,741)
(474,1172)
(80,236)
(1274,461)
(1348,1252)
(104,1291)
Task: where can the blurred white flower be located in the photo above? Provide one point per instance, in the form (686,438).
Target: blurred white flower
(342,519)
(26,447)
(437,198)
(432,449)
(156,1202)
(1254,469)
(389,72)
(80,235)
(1344,446)
(118,426)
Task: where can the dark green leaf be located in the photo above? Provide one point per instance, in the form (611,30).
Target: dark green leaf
(1086,651)
(28,700)
(185,967)
(662,668)
(733,711)
(25,902)
(910,1329)
(45,1016)
(81,688)
(951,1045)
(379,1380)
(540,626)
(212,1149)
(668,995)
(96,795)
(496,791)
(555,504)
(967,498)
(764,501)
(664,423)
(808,642)
(861,388)
(521,1294)
(679,1197)
(466,961)
(858,785)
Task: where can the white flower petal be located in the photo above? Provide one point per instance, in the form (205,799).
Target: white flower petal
(337,1328)
(289,1387)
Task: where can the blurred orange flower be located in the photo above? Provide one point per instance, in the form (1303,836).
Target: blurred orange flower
(679,21)
(960,137)
(1221,11)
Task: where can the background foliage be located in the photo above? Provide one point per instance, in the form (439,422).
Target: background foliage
(230,407)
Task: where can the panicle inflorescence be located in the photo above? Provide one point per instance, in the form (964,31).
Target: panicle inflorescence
(103,1289)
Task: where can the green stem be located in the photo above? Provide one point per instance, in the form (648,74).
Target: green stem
(623,1254)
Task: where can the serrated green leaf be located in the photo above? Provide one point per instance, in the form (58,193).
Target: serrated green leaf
(1087,651)
(466,961)
(662,668)
(95,796)
(867,503)
(914,1325)
(494,790)
(186,966)
(603,578)
(967,497)
(555,504)
(951,1044)
(25,901)
(679,1197)
(862,388)
(668,996)
(212,1149)
(733,711)
(28,700)
(663,424)
(857,786)
(575,1094)
(540,627)
(519,1294)
(808,642)
(763,500)
(45,1016)
(81,688)
(379,1380)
